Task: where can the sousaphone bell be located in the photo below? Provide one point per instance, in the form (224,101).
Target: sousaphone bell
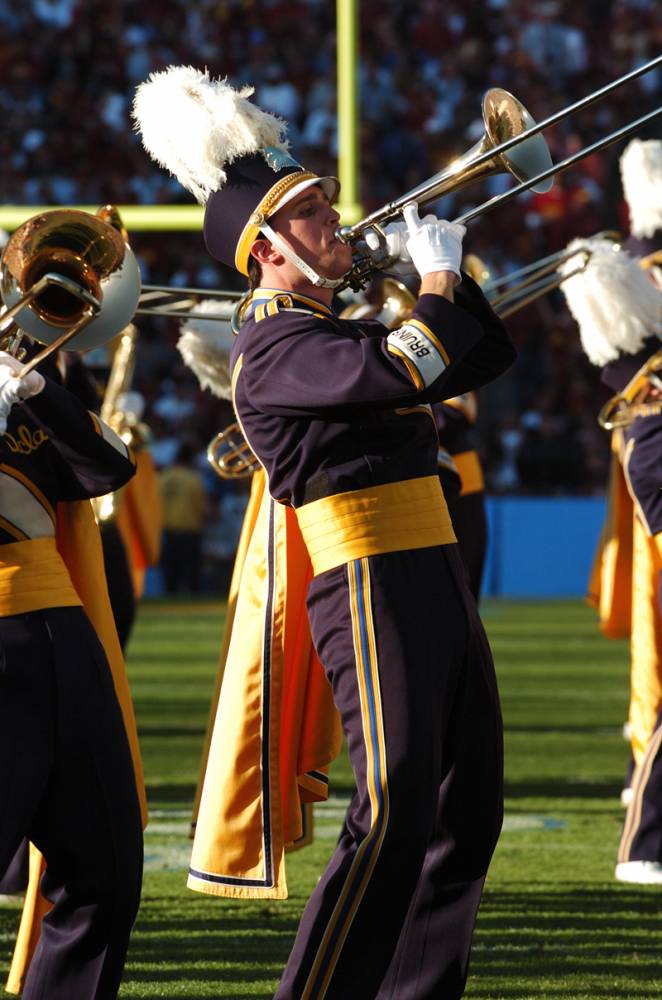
(69,280)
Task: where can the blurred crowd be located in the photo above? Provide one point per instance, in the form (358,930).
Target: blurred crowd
(70,68)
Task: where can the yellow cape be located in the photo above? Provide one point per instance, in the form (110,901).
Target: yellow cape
(610,583)
(624,588)
(276,728)
(140,519)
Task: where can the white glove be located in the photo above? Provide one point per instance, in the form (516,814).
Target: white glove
(433,244)
(13,389)
(399,260)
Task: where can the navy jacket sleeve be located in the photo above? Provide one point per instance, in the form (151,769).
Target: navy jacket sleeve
(304,364)
(95,460)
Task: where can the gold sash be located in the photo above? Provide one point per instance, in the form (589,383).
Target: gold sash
(411,514)
(33,576)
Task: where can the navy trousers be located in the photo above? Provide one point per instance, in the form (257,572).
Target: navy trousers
(393,914)
(67,783)
(642,832)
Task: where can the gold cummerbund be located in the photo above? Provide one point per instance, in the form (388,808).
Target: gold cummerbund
(411,514)
(471,473)
(33,576)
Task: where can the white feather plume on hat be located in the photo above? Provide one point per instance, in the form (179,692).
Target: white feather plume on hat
(193,125)
(615,304)
(205,345)
(641,173)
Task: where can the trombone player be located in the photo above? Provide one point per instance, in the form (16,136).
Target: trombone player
(70,774)
(337,414)
(58,694)
(618,307)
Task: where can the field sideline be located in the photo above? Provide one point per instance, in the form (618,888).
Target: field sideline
(553,924)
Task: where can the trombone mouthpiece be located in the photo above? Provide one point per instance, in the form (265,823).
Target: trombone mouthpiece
(344,234)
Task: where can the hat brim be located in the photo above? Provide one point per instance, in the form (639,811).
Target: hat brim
(274,200)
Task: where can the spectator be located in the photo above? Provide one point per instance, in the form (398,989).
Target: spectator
(184,503)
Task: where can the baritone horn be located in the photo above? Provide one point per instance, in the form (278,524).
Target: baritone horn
(230,455)
(68,280)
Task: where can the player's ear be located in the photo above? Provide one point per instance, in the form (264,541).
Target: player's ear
(264,252)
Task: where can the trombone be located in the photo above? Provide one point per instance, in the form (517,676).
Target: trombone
(508,125)
(177,303)
(534,280)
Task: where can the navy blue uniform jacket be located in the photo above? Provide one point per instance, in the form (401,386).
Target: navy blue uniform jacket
(331,405)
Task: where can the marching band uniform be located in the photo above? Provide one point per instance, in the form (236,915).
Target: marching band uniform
(640,849)
(641,458)
(67,781)
(619,311)
(338,414)
(376,528)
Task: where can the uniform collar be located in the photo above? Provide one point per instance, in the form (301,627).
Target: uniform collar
(286,300)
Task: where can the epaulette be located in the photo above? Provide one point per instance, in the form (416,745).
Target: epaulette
(283,301)
(273,306)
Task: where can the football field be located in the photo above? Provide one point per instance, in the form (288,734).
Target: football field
(553,922)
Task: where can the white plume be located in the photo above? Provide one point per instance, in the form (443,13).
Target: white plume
(613,301)
(193,125)
(641,173)
(205,345)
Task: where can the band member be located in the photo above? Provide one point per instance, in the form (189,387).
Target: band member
(336,411)
(619,311)
(455,419)
(640,851)
(70,777)
(130,519)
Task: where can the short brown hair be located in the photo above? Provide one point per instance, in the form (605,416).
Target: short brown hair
(254,273)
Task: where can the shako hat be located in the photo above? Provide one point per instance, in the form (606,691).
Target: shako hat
(616,374)
(232,156)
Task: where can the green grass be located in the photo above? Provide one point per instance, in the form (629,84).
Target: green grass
(553,923)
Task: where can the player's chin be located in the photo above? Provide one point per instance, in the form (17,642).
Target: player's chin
(340,258)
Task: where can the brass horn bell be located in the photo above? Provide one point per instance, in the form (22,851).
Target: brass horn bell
(63,266)
(230,456)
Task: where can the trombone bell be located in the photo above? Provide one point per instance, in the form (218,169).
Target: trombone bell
(504,118)
(85,254)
